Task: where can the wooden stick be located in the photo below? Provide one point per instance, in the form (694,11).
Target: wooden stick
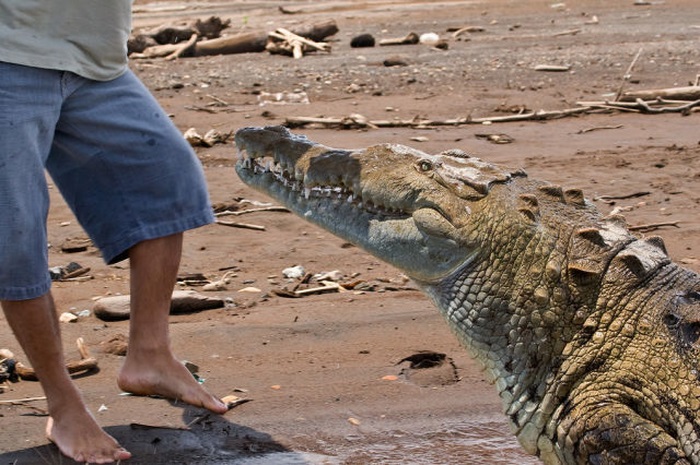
(241,225)
(652,226)
(645,107)
(628,74)
(677,93)
(622,197)
(21,401)
(327,286)
(571,32)
(598,128)
(184,48)
(410,39)
(290,36)
(252,210)
(86,363)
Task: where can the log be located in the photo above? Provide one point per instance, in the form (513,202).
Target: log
(247,42)
(253,42)
(673,93)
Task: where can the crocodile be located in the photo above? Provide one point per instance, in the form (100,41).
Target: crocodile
(590,333)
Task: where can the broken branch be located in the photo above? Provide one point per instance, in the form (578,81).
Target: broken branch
(653,226)
(85,364)
(252,210)
(241,225)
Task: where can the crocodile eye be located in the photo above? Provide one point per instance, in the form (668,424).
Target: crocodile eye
(690,333)
(425,166)
(671,320)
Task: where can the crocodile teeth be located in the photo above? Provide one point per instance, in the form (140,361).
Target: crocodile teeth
(292,179)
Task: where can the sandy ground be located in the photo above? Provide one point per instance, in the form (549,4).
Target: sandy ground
(315,368)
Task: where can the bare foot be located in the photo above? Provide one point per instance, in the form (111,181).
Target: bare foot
(79,437)
(165,376)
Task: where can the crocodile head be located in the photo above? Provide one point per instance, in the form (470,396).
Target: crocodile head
(404,206)
(591,334)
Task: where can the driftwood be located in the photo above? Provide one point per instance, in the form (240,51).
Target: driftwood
(456,32)
(656,106)
(356,121)
(410,39)
(233,224)
(251,210)
(175,34)
(283,41)
(628,74)
(359,121)
(246,42)
(673,93)
(653,226)
(85,364)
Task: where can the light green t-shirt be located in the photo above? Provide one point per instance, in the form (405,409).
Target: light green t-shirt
(86,37)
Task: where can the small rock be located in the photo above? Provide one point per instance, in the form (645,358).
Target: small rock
(395,61)
(250,289)
(294,272)
(67,317)
(429,38)
(116,308)
(363,40)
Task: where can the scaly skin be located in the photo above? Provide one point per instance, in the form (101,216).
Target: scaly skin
(589,332)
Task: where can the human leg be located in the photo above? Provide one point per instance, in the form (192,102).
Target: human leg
(150,367)
(29,109)
(135,185)
(71,426)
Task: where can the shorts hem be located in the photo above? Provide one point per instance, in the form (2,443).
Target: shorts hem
(25,293)
(119,250)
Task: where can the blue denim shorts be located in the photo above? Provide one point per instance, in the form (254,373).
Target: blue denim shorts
(120,163)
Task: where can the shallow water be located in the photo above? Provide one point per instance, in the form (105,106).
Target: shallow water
(472,442)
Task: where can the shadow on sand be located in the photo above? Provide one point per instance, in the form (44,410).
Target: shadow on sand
(207,439)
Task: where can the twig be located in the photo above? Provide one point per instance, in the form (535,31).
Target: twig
(552,68)
(218,100)
(198,108)
(183,48)
(681,108)
(571,32)
(653,226)
(598,128)
(327,286)
(295,42)
(252,210)
(86,363)
(241,225)
(622,197)
(628,74)
(21,401)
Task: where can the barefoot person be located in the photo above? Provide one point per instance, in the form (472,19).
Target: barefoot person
(70,105)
